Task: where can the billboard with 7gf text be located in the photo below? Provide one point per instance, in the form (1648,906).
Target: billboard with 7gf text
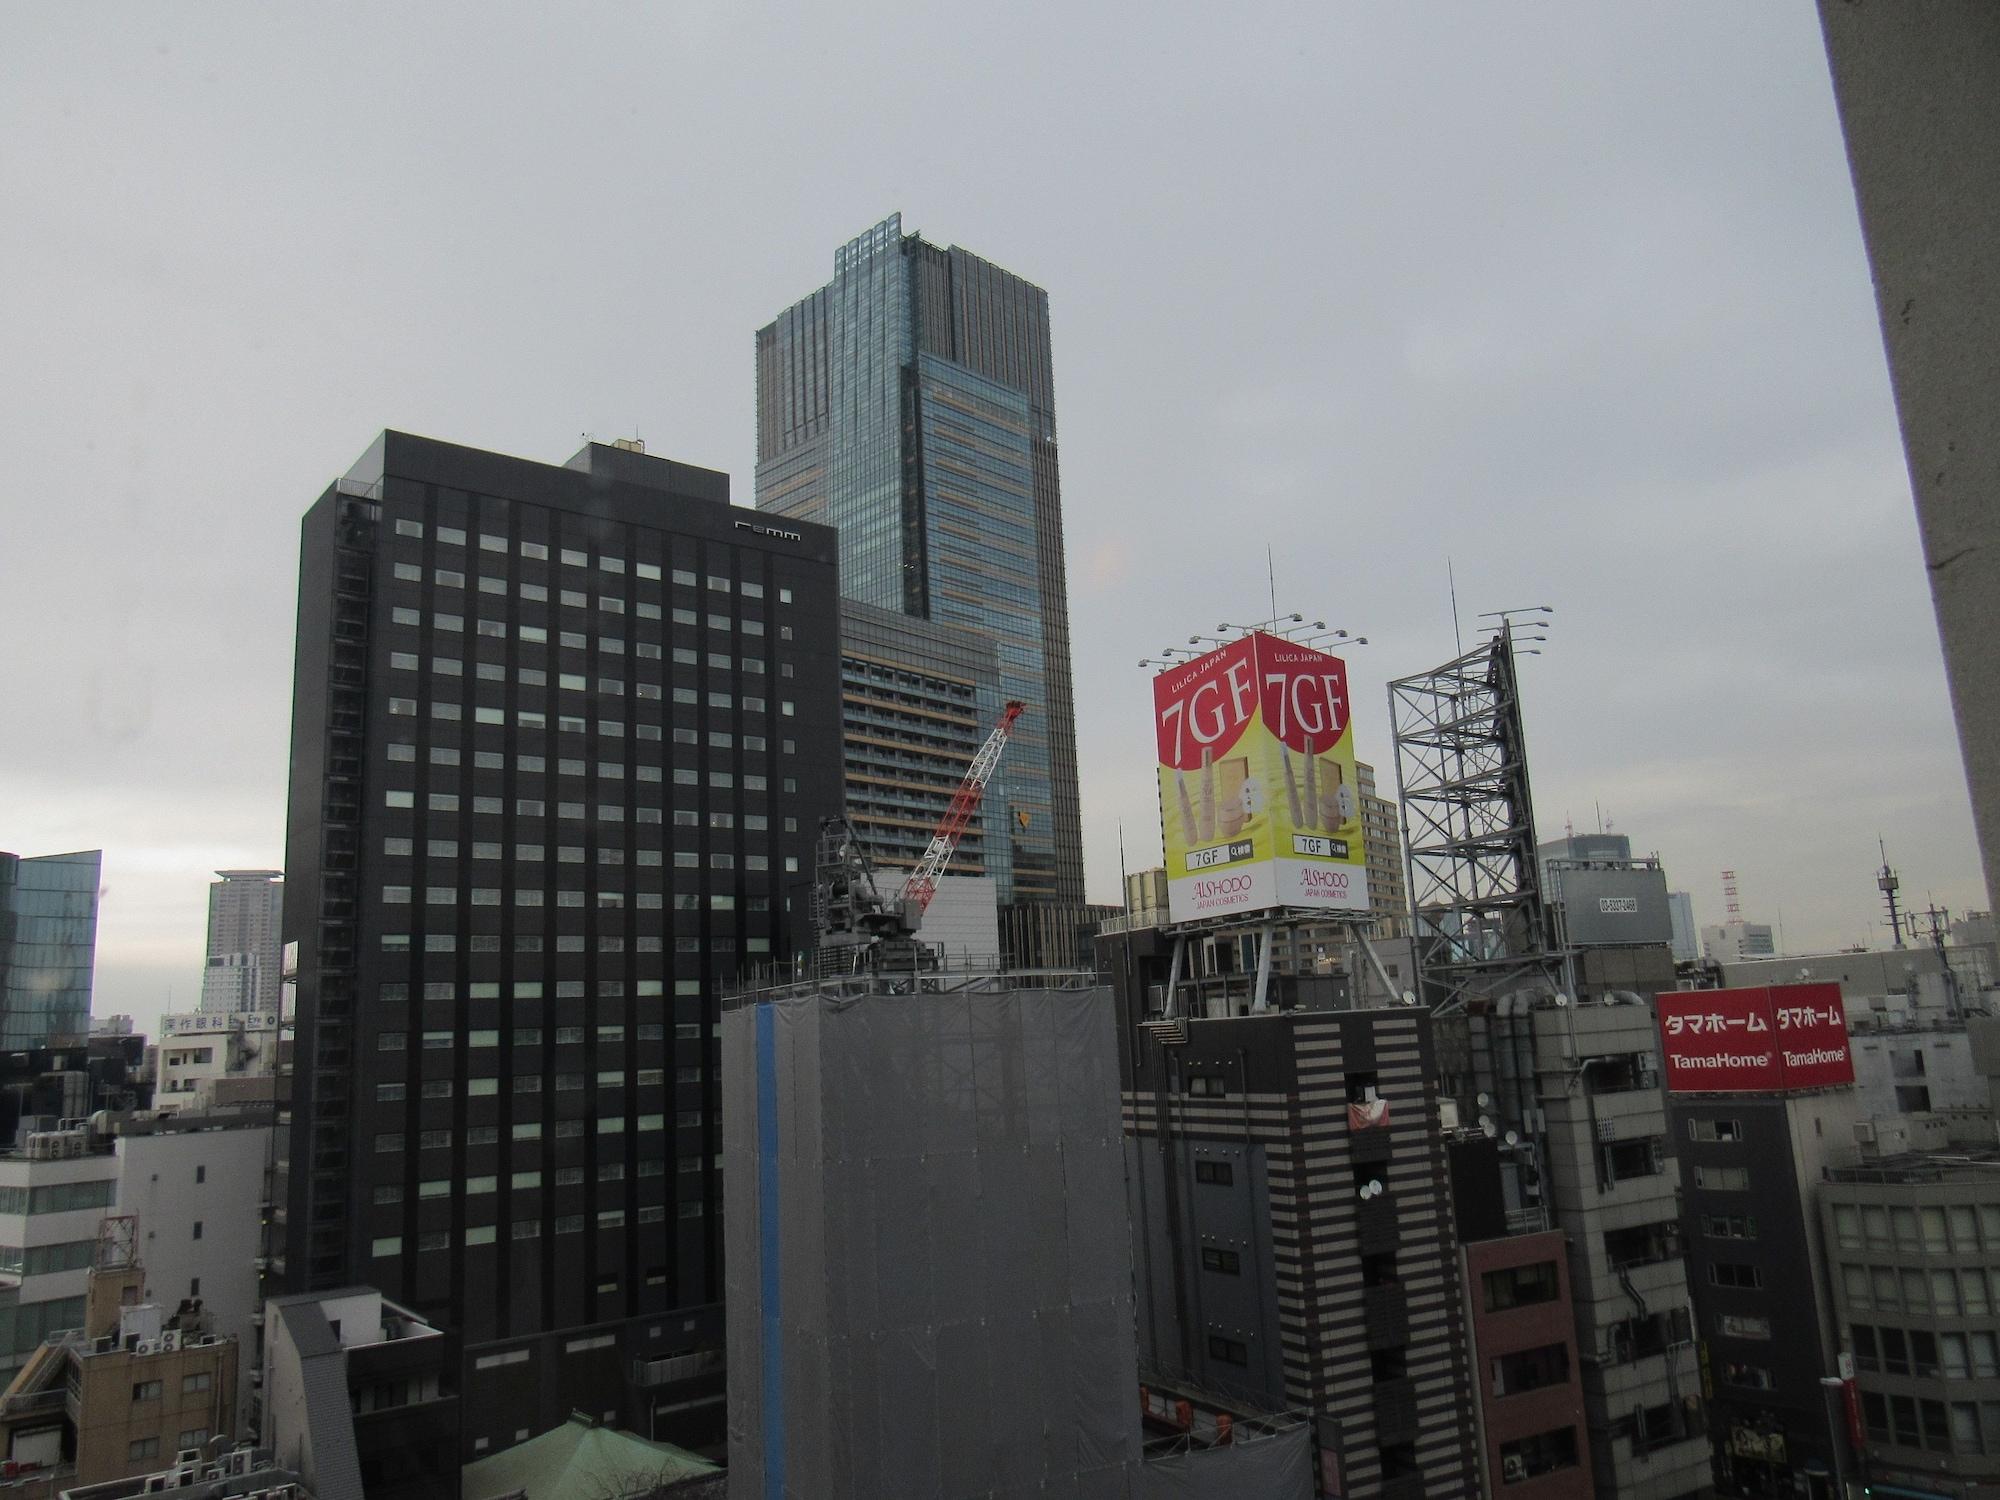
(1259,808)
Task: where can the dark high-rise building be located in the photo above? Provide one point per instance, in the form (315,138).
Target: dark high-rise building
(48,947)
(561,740)
(909,403)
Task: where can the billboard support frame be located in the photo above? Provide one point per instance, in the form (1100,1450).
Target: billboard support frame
(1481,917)
(1266,924)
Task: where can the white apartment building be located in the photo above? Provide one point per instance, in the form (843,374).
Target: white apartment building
(195,1185)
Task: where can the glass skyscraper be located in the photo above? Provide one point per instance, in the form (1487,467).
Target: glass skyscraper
(909,403)
(48,946)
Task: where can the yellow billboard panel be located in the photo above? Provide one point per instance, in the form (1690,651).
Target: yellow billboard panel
(1259,808)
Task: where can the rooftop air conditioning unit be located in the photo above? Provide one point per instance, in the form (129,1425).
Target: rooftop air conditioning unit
(1514,1468)
(145,1346)
(1864,1132)
(170,1340)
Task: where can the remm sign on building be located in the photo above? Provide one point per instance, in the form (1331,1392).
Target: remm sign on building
(1778,1039)
(1258,802)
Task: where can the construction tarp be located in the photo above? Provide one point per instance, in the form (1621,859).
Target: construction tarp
(1269,1466)
(928,1261)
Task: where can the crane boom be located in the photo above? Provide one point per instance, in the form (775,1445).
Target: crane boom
(922,884)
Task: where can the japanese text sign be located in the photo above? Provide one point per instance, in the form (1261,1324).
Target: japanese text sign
(1775,1039)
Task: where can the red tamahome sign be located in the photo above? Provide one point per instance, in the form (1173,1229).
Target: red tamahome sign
(1775,1039)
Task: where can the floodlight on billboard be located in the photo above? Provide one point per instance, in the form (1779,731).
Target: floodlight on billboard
(1775,1039)
(1259,807)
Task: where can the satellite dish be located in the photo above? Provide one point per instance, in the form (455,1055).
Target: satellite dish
(1409,997)
(1485,1121)
(1490,1128)
(1561,999)
(1484,1100)
(1513,1138)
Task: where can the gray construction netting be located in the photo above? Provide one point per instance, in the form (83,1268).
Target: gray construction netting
(930,1189)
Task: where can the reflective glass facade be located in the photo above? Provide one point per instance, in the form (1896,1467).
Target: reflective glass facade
(48,946)
(909,403)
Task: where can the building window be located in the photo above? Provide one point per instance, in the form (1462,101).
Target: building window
(1215,1173)
(1229,1351)
(1544,1453)
(197,1229)
(1530,1369)
(146,1390)
(140,1448)
(1521,1286)
(1735,1274)
(201,1380)
(1715,1130)
(1225,1262)
(1742,1326)
(1729,1226)
(1723,1179)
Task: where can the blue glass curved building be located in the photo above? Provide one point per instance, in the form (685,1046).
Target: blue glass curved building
(910,404)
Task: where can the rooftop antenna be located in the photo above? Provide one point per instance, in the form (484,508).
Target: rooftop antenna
(1732,909)
(1457,640)
(1887,883)
(1271,573)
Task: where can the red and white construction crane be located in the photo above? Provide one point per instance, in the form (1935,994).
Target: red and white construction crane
(922,884)
(854,920)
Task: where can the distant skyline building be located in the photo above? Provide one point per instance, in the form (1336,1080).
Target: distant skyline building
(562,737)
(1731,942)
(245,941)
(910,404)
(1685,943)
(48,946)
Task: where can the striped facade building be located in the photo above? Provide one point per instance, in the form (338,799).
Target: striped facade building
(1294,1243)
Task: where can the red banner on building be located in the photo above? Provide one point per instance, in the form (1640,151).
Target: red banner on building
(1767,1040)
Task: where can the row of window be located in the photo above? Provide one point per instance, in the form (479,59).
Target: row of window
(531,1229)
(494,671)
(454,713)
(57,1197)
(535,989)
(1964,1427)
(538,635)
(613,770)
(1956,1229)
(1906,1289)
(488,849)
(531,1036)
(567,943)
(569,557)
(191,1385)
(394,1142)
(1897,1351)
(391,1193)
(607,812)
(531,1083)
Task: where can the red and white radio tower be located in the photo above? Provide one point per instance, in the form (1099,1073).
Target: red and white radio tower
(1734,912)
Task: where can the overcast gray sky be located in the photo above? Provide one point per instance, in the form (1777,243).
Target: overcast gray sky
(1572,293)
